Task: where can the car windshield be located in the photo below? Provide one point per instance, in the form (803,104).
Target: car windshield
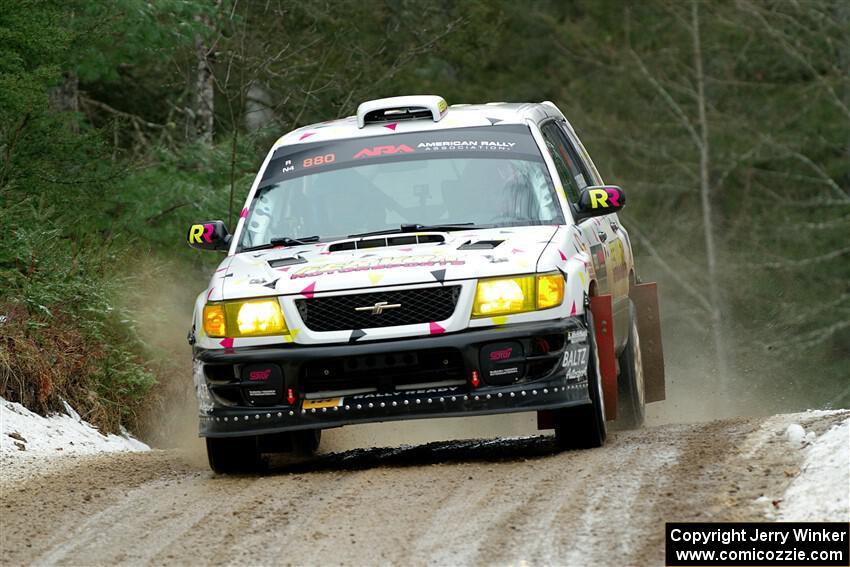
(483,176)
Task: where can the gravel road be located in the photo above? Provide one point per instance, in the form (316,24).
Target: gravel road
(448,503)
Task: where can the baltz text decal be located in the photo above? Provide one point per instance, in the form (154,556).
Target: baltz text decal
(575,361)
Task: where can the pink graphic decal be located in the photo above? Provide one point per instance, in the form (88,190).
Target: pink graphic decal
(309,291)
(286,269)
(390,126)
(613,196)
(208,231)
(226,343)
(573,309)
(516,251)
(305,135)
(244,213)
(212,289)
(435,328)
(405,249)
(563,256)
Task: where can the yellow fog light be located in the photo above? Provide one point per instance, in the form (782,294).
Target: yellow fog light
(503,296)
(550,290)
(214,324)
(258,318)
(252,318)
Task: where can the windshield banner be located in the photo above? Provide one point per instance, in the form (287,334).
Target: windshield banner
(513,141)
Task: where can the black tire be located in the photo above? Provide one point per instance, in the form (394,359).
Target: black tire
(234,455)
(583,427)
(631,400)
(306,442)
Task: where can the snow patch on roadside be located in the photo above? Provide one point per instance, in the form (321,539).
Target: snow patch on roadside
(822,490)
(23,432)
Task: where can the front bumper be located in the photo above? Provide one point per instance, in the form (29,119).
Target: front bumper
(546,379)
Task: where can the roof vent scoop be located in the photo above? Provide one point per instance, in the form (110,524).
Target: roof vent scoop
(400,108)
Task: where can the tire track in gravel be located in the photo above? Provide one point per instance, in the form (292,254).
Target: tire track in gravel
(460,502)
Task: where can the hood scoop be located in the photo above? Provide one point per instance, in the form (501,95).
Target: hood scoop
(292,260)
(480,245)
(385,241)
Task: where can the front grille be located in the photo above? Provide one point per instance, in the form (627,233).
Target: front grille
(339,313)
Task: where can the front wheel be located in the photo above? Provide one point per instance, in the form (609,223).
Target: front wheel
(583,427)
(234,455)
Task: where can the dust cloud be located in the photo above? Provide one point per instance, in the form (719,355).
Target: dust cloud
(170,416)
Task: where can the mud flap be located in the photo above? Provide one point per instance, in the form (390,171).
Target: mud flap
(545,419)
(603,321)
(645,299)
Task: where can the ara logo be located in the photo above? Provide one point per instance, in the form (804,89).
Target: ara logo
(383,151)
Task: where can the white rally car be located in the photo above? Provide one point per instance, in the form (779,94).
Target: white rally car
(418,261)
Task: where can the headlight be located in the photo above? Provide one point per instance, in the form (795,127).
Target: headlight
(504,296)
(253,318)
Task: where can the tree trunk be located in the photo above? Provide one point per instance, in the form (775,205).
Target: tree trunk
(66,97)
(204,87)
(706,201)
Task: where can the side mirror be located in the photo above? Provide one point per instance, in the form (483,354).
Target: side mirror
(600,200)
(211,235)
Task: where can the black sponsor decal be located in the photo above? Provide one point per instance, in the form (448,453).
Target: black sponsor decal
(575,360)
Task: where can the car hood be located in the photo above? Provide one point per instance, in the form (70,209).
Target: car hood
(316,268)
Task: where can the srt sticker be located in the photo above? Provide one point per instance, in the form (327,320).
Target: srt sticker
(503,354)
(260,374)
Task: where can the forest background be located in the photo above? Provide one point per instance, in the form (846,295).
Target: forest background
(726,122)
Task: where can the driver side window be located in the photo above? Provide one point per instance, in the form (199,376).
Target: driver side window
(572,175)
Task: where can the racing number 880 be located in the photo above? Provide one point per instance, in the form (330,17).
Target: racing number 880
(319,160)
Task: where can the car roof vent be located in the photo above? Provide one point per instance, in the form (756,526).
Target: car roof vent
(480,245)
(398,108)
(385,241)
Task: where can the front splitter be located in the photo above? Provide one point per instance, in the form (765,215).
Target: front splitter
(454,401)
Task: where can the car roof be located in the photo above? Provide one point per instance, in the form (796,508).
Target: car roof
(455,116)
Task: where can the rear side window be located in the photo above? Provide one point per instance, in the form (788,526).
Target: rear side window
(570,169)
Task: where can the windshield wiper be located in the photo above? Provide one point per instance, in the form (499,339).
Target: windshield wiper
(283,241)
(417,228)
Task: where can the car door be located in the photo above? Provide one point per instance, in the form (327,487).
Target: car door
(575,176)
(612,238)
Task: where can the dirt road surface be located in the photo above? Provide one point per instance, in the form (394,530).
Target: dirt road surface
(447,503)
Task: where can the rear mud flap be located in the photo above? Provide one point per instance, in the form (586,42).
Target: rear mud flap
(603,321)
(645,299)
